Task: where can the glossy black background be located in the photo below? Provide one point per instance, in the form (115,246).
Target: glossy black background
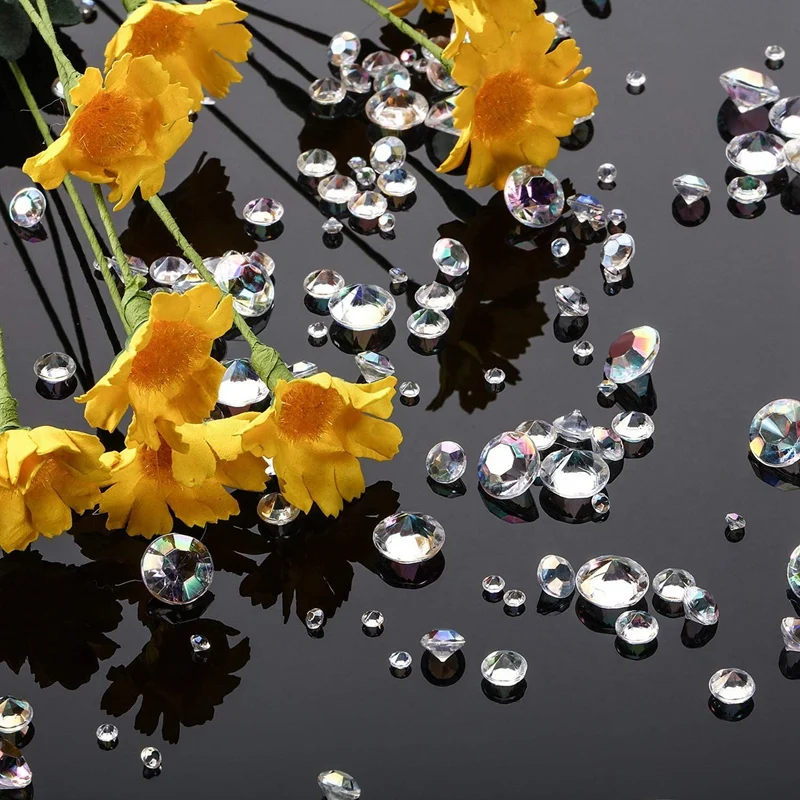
(591,723)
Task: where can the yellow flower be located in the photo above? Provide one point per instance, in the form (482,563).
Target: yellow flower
(165,372)
(489,23)
(122,133)
(405,7)
(146,484)
(195,44)
(45,474)
(517,101)
(316,430)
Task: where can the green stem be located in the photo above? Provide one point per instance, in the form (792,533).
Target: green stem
(8,405)
(132,5)
(113,239)
(266,360)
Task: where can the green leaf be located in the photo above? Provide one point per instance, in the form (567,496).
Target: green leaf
(15,31)
(64,12)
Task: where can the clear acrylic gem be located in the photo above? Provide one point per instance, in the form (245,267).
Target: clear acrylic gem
(732,686)
(54,367)
(27,207)
(14,770)
(587,208)
(374,366)
(15,714)
(451,257)
(775,433)
(756,153)
(774,52)
(606,387)
(607,444)
(400,660)
(263,211)
(747,189)
(240,385)
(343,48)
(266,262)
(636,627)
(636,79)
(563,29)
(408,56)
(583,349)
(304,369)
(187,282)
(494,376)
(355,79)
(169,269)
(633,426)
(699,606)
(377,62)
(556,576)
(247,280)
(397,109)
(618,251)
(408,389)
(493,584)
(439,77)
(559,247)
(199,643)
(386,222)
(571,301)
(504,668)
(361,306)
(396,76)
(508,465)
(58,89)
(793,571)
(442,643)
(138,267)
(612,582)
(177,569)
(616,217)
(397,182)
(572,473)
(691,188)
(398,276)
(365,176)
(784,116)
(607,173)
(338,785)
(372,620)
(427,324)
(790,630)
(632,354)
(327,91)
(542,432)
(440,116)
(367,205)
(408,537)
(317,331)
(735,522)
(107,734)
(446,462)
(573,427)
(337,189)
(671,584)
(315,619)
(534,196)
(600,503)
(151,758)
(322,284)
(357,162)
(316,163)
(274,509)
(436,296)
(749,89)
(387,153)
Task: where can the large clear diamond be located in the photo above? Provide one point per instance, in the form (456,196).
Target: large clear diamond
(397,182)
(240,385)
(408,537)
(316,163)
(247,280)
(732,686)
(337,189)
(504,668)
(177,569)
(571,300)
(700,606)
(14,770)
(440,116)
(756,153)
(338,785)
(367,205)
(573,427)
(542,432)
(327,91)
(556,576)
(636,627)
(671,584)
(343,48)
(374,366)
(574,473)
(443,642)
(355,79)
(612,582)
(784,116)
(632,354)
(508,465)
(790,630)
(387,153)
(15,714)
(793,571)
(775,433)
(691,188)
(618,251)
(607,444)
(361,307)
(633,426)
(446,462)
(451,257)
(427,323)
(323,283)
(275,509)
(397,76)
(377,62)
(263,211)
(435,296)
(534,196)
(169,269)
(397,109)
(749,89)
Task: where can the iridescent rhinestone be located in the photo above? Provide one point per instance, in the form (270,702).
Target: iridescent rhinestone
(563,29)
(151,758)
(572,473)
(356,163)
(169,269)
(559,247)
(266,262)
(199,643)
(699,606)
(606,387)
(316,163)
(387,153)
(274,509)
(315,619)
(343,48)
(616,217)
(397,182)
(27,207)
(735,522)
(774,52)
(636,627)
(441,116)
(607,444)
(408,389)
(636,79)
(439,77)
(240,386)
(442,643)
(542,432)
(633,426)
(573,427)
(446,462)
(756,153)
(338,785)
(361,306)
(367,205)
(632,354)
(317,331)
(587,208)
(790,630)
(372,620)
(177,569)
(451,257)
(571,301)
(189,281)
(747,189)
(600,503)
(107,735)
(508,465)
(355,79)
(618,250)
(400,661)
(493,584)
(398,276)
(607,173)
(534,196)
(247,281)
(436,296)
(322,284)
(376,62)
(749,89)
(386,222)
(396,76)
(793,571)
(583,349)
(408,56)
(504,668)
(15,714)
(304,369)
(327,91)
(556,576)
(54,367)
(732,686)
(365,176)
(671,584)
(494,376)
(14,770)
(408,537)
(427,324)
(612,582)
(397,109)
(263,211)
(374,366)
(337,189)
(784,116)
(775,433)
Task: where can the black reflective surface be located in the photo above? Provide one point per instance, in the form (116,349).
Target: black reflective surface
(274,706)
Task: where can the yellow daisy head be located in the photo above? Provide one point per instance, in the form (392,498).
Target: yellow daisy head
(489,23)
(122,133)
(316,430)
(165,372)
(194,43)
(518,100)
(46,474)
(405,7)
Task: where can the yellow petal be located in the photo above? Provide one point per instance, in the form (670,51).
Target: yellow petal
(16,528)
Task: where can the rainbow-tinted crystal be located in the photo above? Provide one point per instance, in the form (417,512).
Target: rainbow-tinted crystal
(177,569)
(775,433)
(632,354)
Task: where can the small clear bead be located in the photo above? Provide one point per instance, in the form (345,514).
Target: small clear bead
(494,376)
(583,349)
(617,217)
(600,503)
(559,247)
(317,331)
(107,735)
(398,275)
(27,207)
(409,389)
(514,598)
(332,226)
(612,276)
(386,222)
(365,176)
(420,65)
(493,584)
(735,522)
(356,163)
(372,620)
(315,619)
(606,387)
(775,53)
(408,56)
(151,758)
(607,173)
(400,661)
(199,643)
(636,79)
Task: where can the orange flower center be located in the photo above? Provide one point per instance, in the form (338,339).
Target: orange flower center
(173,349)
(108,127)
(156,464)
(49,469)
(160,33)
(503,105)
(307,411)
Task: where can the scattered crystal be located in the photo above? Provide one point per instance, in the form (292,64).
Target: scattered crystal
(357,162)
(756,153)
(607,173)
(361,306)
(790,630)
(494,376)
(332,226)
(315,619)
(398,276)
(367,205)
(612,276)
(343,48)
(735,522)
(671,584)
(504,668)
(337,189)
(572,473)
(355,79)
(316,163)
(374,366)
(793,571)
(747,189)
(304,369)
(27,207)
(322,284)
(618,251)
(386,222)
(616,217)
(427,324)
(54,367)
(556,576)
(151,758)
(58,88)
(263,211)
(442,643)
(632,354)
(571,301)
(396,76)
(559,247)
(732,686)
(387,153)
(633,426)
(177,569)
(749,89)
(408,389)
(408,537)
(338,785)
(600,503)
(439,41)
(420,65)
(784,116)
(451,257)
(240,386)
(266,262)
(563,29)
(583,349)
(534,196)
(573,427)
(446,462)
(636,79)
(400,660)
(188,281)
(199,643)
(775,433)
(397,182)
(247,280)
(436,296)
(372,620)
(636,627)
(440,116)
(376,62)
(587,208)
(408,56)
(612,582)
(274,509)
(317,331)
(774,52)
(107,734)
(607,444)
(508,465)
(15,714)
(543,433)
(493,584)
(700,606)
(397,109)
(14,770)
(327,91)
(169,269)
(365,176)
(606,387)
(138,267)
(439,77)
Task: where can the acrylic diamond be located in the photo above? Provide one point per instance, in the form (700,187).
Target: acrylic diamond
(747,189)
(387,153)
(327,91)
(316,163)
(542,432)
(618,251)
(427,324)
(338,785)
(14,770)
(756,153)
(607,444)
(15,714)
(263,211)
(612,582)
(361,307)
(574,473)
(337,189)
(322,284)
(443,643)
(27,207)
(556,576)
(790,631)
(571,301)
(784,116)
(573,427)
(367,205)
(534,196)
(508,465)
(632,354)
(343,48)
(446,462)
(636,628)
(749,89)
(408,537)
(54,367)
(177,569)
(732,686)
(435,296)
(397,109)
(240,386)
(504,668)
(274,509)
(775,433)
(633,426)
(374,366)
(671,584)
(700,606)
(451,257)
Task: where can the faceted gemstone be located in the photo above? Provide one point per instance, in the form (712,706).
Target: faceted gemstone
(749,89)
(633,426)
(572,473)
(556,576)
(327,91)
(365,176)
(616,217)
(377,62)
(386,223)
(439,77)
(636,79)
(361,306)
(58,88)
(372,620)
(317,331)
(343,48)
(747,189)
(263,211)
(247,281)
(493,584)
(607,444)
(397,182)
(338,785)
(571,301)
(15,714)
(107,735)
(337,189)
(199,643)
(790,630)
(775,433)
(436,296)
(632,354)
(587,208)
(387,153)
(427,324)
(151,758)
(494,376)
(543,433)
(508,465)
(240,385)
(732,686)
(440,116)
(735,522)
(355,79)
(636,627)
(322,284)
(177,569)
(274,509)
(54,367)
(14,770)
(27,207)
(618,251)
(559,247)
(756,153)
(600,503)
(583,349)
(700,606)
(315,619)
(408,56)
(397,109)
(534,196)
(400,660)
(563,29)
(408,537)
(304,369)
(398,276)
(784,116)
(138,267)
(408,389)
(504,668)
(266,262)
(190,280)
(607,173)
(671,584)
(446,462)
(443,643)
(573,427)
(606,387)
(374,366)
(612,582)
(793,571)
(367,205)
(169,269)
(451,257)
(316,163)
(774,52)
(356,162)
(396,76)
